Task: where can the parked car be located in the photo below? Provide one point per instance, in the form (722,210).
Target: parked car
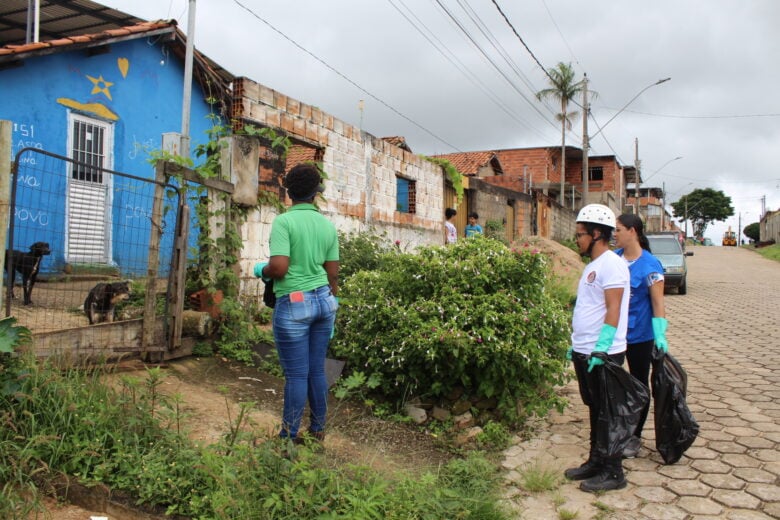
(668,250)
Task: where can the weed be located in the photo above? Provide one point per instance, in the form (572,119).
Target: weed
(536,477)
(565,514)
(495,436)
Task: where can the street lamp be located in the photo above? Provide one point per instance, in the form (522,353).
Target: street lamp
(586,139)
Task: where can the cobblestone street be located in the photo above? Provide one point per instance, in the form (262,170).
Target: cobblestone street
(726,334)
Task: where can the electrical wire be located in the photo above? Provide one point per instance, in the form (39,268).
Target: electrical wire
(521,41)
(457,63)
(677,116)
(492,62)
(343,76)
(552,19)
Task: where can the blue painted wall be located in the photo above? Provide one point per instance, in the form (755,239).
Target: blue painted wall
(137,86)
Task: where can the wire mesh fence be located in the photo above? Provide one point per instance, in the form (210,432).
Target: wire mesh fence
(82,243)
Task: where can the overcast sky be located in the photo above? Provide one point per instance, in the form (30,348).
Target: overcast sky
(421,76)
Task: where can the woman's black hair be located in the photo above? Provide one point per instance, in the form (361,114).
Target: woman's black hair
(303,182)
(449,213)
(629,221)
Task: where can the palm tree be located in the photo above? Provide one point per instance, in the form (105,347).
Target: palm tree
(563,88)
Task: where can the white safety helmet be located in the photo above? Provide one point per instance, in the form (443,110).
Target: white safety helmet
(597,214)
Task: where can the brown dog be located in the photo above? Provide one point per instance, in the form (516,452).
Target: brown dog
(101,301)
(28,265)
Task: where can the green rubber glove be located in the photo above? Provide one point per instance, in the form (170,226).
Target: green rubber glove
(333,330)
(259,271)
(568,353)
(606,337)
(659,332)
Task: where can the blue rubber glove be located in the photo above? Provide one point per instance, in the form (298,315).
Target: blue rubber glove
(568,353)
(659,332)
(606,337)
(259,271)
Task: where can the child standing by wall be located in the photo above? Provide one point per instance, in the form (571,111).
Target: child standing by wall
(450,231)
(472,228)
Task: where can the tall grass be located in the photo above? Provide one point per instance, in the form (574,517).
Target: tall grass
(70,422)
(771,252)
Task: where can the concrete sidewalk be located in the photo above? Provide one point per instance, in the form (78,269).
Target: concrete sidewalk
(726,334)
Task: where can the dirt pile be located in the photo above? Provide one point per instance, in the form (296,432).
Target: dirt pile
(566,264)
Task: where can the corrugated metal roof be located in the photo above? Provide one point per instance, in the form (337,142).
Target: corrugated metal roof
(58,19)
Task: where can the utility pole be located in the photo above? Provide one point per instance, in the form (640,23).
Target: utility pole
(585,143)
(686,217)
(637,164)
(663,205)
(186,100)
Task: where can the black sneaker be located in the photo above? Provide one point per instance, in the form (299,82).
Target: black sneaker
(589,469)
(604,481)
(632,448)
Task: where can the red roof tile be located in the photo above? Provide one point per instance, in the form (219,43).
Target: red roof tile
(398,141)
(468,163)
(140,28)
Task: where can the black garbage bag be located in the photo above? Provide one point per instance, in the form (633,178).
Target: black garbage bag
(624,398)
(675,427)
(269,297)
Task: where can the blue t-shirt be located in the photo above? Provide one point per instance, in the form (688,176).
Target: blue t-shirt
(645,271)
(473,230)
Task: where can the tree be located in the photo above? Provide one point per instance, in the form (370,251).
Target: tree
(702,207)
(563,88)
(752,231)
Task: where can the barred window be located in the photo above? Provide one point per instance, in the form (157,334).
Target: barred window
(406,195)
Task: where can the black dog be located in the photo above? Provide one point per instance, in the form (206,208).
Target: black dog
(102,299)
(28,264)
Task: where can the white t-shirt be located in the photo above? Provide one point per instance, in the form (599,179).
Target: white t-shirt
(608,271)
(452,232)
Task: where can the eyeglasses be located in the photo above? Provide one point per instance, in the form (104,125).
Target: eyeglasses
(579,235)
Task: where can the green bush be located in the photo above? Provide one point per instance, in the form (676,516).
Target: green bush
(473,314)
(360,251)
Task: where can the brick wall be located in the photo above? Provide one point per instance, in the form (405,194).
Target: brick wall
(361,189)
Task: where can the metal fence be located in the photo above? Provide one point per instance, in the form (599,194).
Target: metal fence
(87,245)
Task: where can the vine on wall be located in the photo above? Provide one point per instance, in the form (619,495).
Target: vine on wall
(452,173)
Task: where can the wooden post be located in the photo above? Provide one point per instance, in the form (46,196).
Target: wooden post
(155,234)
(178,272)
(5,190)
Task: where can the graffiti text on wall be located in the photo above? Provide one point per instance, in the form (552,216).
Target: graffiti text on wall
(26,134)
(36,217)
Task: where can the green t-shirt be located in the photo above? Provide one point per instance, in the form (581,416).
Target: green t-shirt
(309,240)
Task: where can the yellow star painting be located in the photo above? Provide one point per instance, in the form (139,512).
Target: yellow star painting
(99,86)
(97,82)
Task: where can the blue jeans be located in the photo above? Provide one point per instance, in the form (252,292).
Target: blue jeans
(302,330)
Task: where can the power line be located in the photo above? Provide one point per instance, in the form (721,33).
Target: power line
(457,63)
(493,63)
(549,13)
(521,41)
(343,76)
(677,116)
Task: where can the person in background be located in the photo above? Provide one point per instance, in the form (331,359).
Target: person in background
(472,228)
(450,231)
(599,325)
(646,317)
(304,265)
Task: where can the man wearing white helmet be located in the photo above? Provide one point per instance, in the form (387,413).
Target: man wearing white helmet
(599,324)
